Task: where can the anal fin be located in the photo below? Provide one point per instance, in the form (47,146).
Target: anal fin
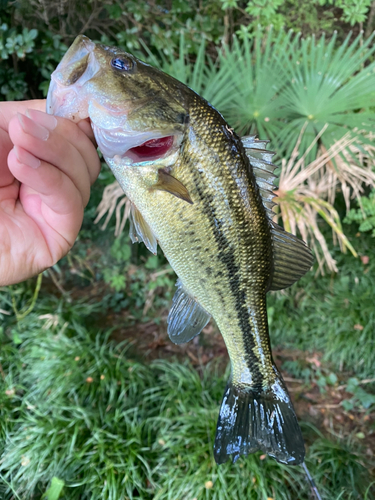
(187,317)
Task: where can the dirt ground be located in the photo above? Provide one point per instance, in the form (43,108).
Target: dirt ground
(322,409)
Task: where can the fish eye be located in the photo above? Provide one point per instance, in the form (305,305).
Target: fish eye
(122,64)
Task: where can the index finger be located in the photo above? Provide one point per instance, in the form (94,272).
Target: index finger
(9,109)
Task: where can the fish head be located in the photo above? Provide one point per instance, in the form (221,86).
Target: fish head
(137,112)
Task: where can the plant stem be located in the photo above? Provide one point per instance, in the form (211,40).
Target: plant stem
(370,20)
(22,315)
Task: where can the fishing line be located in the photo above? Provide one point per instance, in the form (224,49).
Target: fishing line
(314,488)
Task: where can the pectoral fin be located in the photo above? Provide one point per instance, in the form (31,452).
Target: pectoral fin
(167,182)
(141,231)
(187,318)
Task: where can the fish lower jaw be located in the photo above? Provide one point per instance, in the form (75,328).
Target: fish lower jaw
(131,149)
(64,102)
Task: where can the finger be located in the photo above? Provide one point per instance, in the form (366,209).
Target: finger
(55,149)
(51,200)
(7,111)
(76,135)
(6,145)
(85,126)
(11,108)
(55,189)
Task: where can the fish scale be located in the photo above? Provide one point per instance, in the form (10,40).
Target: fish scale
(237,266)
(206,199)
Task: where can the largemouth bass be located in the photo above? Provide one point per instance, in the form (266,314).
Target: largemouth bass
(205,196)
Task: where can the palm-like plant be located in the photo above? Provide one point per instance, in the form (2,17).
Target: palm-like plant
(278,85)
(307,190)
(328,86)
(277,82)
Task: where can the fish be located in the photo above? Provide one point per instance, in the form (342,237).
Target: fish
(205,196)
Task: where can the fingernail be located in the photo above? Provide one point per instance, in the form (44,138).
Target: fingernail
(32,128)
(48,121)
(26,158)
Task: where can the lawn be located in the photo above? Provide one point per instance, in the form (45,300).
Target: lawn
(97,403)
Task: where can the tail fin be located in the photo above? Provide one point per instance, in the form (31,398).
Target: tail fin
(251,421)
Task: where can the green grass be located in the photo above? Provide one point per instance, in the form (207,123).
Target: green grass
(79,408)
(82,409)
(332,314)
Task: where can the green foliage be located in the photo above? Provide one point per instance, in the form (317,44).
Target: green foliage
(55,490)
(28,59)
(360,398)
(333,315)
(115,274)
(298,369)
(365,215)
(341,467)
(317,84)
(308,16)
(265,13)
(14,43)
(327,86)
(80,417)
(354,11)
(12,85)
(78,412)
(34,35)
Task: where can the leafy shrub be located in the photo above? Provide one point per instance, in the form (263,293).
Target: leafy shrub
(365,215)
(308,16)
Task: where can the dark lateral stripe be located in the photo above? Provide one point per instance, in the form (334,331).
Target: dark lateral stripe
(227,257)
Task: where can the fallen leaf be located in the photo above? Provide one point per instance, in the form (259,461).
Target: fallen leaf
(365,259)
(314,360)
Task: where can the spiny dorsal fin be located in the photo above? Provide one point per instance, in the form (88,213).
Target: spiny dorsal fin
(141,231)
(292,258)
(263,169)
(166,182)
(186,318)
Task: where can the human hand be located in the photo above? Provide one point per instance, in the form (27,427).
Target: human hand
(47,165)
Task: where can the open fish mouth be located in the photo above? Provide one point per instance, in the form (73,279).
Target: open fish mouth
(134,147)
(72,95)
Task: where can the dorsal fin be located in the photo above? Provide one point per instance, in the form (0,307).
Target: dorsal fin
(263,169)
(292,258)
